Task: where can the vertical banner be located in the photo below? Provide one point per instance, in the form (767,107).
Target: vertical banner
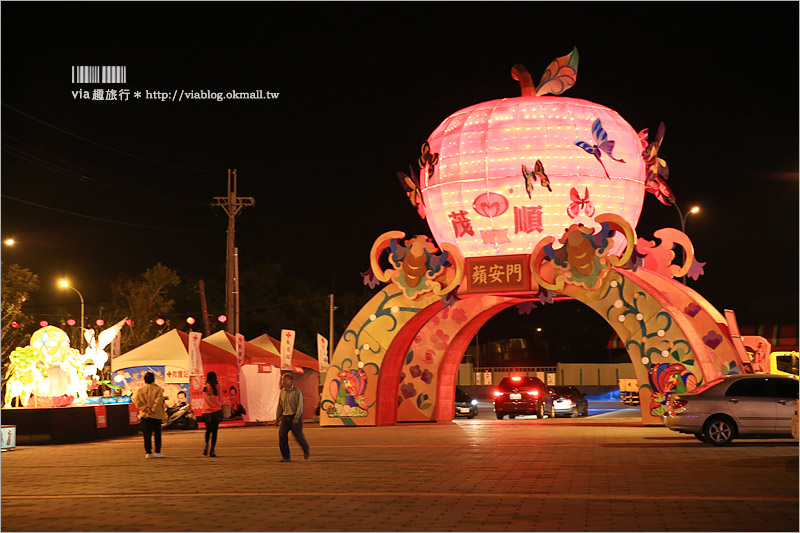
(133,414)
(100,416)
(322,353)
(287,345)
(195,362)
(115,345)
(239,349)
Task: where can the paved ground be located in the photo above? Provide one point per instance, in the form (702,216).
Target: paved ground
(592,474)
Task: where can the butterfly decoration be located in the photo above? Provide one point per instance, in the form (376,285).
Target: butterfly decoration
(410,184)
(577,203)
(531,177)
(601,145)
(427,158)
(559,76)
(657,169)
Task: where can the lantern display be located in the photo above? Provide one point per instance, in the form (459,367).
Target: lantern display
(580,158)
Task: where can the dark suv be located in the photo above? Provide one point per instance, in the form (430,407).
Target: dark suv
(522,395)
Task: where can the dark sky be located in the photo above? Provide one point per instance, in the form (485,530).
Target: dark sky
(361,85)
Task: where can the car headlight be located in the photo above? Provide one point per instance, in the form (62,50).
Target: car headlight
(474,402)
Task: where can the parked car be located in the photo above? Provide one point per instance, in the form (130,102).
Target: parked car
(522,395)
(465,405)
(742,405)
(569,401)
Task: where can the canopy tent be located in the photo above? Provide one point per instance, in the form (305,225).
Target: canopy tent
(167,357)
(260,375)
(305,369)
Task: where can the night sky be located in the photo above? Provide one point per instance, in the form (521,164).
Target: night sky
(361,86)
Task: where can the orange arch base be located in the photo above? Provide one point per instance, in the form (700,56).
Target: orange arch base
(398,360)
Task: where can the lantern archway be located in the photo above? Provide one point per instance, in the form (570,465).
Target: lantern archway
(498,183)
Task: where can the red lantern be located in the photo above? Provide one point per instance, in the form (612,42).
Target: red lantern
(100,322)
(222,318)
(71,322)
(43,323)
(190,320)
(129,322)
(14,324)
(160,321)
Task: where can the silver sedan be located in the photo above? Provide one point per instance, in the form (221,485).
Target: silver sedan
(748,404)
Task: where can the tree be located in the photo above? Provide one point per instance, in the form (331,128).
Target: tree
(143,300)
(17,285)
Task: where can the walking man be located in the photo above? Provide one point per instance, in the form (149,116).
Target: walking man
(150,402)
(290,417)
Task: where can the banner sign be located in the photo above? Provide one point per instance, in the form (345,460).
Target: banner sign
(322,353)
(9,437)
(100,416)
(195,362)
(287,345)
(265,369)
(133,414)
(487,377)
(115,346)
(239,349)
(174,374)
(504,273)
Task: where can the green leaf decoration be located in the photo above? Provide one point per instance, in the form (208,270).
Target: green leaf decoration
(676,356)
(689,362)
(560,75)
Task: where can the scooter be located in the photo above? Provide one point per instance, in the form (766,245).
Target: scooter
(180,417)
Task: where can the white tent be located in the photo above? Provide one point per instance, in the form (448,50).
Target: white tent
(259,386)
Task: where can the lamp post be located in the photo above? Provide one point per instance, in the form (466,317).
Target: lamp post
(65,283)
(683,218)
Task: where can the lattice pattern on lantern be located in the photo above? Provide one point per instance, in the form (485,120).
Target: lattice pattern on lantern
(477,198)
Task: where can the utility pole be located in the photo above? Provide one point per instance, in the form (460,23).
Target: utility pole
(206,326)
(232,205)
(330,332)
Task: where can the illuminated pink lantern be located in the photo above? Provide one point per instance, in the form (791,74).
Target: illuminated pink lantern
(160,321)
(129,322)
(71,322)
(100,322)
(476,197)
(190,320)
(222,319)
(43,323)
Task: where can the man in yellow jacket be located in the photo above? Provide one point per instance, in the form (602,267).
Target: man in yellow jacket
(290,418)
(150,402)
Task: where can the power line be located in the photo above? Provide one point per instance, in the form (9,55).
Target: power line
(155,161)
(109,220)
(82,177)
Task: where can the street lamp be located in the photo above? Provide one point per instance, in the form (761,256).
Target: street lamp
(9,242)
(65,283)
(683,217)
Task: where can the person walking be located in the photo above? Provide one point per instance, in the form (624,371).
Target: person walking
(150,402)
(290,418)
(212,412)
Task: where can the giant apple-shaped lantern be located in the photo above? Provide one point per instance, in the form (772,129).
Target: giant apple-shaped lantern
(475,195)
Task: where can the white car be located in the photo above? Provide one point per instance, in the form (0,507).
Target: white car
(742,405)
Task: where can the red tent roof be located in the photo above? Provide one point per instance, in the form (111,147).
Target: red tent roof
(298,357)
(209,352)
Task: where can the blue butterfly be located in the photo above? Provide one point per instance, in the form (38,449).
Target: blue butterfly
(601,144)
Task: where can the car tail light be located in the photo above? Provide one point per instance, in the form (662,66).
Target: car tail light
(534,392)
(497,393)
(516,378)
(566,401)
(677,403)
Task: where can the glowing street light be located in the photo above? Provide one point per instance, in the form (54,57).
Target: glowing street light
(65,283)
(694,210)
(9,242)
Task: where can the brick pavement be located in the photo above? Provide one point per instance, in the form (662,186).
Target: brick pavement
(473,475)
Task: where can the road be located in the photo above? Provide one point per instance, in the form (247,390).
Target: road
(596,410)
(601,473)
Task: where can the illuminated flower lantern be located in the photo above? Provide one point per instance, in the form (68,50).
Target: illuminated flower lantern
(582,158)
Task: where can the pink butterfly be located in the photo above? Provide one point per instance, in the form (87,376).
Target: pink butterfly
(579,203)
